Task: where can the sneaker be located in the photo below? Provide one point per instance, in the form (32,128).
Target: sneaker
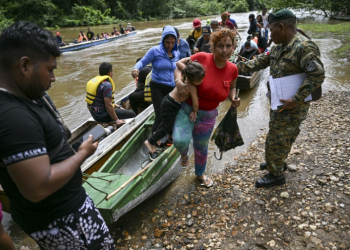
(263,166)
(152,156)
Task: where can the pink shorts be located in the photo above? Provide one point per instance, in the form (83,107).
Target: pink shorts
(1,215)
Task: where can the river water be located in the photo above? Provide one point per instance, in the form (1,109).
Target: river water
(76,68)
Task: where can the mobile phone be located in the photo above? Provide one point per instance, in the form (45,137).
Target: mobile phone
(97,132)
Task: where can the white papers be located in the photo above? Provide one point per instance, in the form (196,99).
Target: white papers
(285,88)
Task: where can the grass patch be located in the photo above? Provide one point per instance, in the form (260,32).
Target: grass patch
(337,31)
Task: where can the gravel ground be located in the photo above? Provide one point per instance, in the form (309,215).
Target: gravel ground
(310,212)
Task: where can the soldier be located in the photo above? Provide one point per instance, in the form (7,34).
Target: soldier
(293,54)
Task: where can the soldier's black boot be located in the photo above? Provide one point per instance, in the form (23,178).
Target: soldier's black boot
(263,166)
(269,180)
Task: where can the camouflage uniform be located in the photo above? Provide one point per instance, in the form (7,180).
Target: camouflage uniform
(299,56)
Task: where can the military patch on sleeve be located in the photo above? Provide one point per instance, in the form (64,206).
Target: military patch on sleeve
(311,66)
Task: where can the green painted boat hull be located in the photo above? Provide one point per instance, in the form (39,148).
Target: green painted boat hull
(122,165)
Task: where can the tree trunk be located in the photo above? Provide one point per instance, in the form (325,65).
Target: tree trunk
(325,12)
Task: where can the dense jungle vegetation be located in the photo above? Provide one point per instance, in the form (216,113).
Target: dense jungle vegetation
(59,13)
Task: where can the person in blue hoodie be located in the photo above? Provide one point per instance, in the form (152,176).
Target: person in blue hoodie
(183,47)
(163,58)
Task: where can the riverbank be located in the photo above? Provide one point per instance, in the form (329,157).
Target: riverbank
(310,212)
(339,31)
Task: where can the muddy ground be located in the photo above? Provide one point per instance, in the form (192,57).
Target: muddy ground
(310,212)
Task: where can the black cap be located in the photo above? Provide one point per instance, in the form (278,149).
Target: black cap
(279,15)
(206,30)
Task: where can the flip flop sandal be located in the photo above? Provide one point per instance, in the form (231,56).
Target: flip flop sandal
(184,163)
(205,180)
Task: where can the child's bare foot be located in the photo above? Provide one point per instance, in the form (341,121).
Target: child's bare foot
(151,148)
(152,151)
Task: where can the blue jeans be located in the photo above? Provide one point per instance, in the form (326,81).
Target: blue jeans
(267,34)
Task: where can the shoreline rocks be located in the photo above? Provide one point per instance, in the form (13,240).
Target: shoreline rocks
(311,211)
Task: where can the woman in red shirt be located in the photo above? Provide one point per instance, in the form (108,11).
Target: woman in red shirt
(218,84)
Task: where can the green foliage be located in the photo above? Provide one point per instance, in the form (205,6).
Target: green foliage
(238,6)
(51,13)
(86,15)
(4,22)
(193,8)
(340,30)
(337,31)
(43,12)
(326,6)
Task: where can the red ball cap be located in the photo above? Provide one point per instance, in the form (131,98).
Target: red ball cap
(228,13)
(196,23)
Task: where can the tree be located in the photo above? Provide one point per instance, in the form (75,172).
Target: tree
(4,22)
(326,6)
(43,12)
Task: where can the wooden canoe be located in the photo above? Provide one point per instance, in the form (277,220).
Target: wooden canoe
(129,177)
(84,45)
(112,142)
(248,82)
(107,146)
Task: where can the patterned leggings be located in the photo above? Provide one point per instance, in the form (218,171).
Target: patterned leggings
(200,130)
(83,230)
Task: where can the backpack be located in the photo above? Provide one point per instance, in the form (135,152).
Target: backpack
(190,40)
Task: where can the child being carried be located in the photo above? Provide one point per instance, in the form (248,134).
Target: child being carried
(192,75)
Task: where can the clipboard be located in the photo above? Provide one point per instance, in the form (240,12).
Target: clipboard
(287,87)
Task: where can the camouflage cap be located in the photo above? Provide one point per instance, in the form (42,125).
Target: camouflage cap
(279,15)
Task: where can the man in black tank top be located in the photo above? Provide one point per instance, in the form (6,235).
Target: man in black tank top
(39,171)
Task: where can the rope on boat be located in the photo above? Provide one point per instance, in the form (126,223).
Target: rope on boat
(106,194)
(141,165)
(97,177)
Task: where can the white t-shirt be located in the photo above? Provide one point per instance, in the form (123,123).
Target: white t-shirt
(262,32)
(265,20)
(253,46)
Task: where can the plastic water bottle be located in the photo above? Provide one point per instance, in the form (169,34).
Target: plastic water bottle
(109,130)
